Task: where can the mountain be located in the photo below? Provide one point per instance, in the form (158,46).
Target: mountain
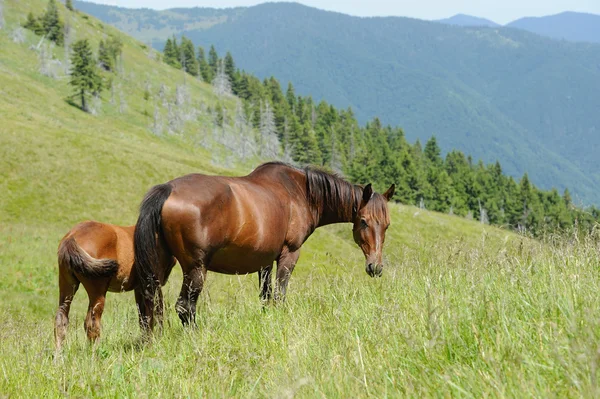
(497,94)
(572,26)
(467,20)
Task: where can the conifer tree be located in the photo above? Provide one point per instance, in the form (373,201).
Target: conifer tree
(187,56)
(104,57)
(84,76)
(213,60)
(291,96)
(205,70)
(171,53)
(69,5)
(230,71)
(53,26)
(34,24)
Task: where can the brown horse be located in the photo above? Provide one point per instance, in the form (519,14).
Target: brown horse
(240,225)
(99,256)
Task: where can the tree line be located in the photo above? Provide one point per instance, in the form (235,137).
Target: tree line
(320,134)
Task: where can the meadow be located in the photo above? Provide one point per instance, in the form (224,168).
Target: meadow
(462,310)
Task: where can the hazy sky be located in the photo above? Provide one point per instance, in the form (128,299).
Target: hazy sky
(501,11)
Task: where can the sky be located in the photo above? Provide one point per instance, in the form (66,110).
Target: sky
(500,11)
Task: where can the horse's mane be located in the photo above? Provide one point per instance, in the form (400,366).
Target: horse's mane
(331,193)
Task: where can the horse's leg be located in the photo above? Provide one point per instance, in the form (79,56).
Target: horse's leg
(264,283)
(193,281)
(67,285)
(140,301)
(97,295)
(285,266)
(150,310)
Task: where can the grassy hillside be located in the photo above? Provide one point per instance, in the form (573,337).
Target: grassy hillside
(495,93)
(463,309)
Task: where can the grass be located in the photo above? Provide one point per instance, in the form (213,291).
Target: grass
(463,309)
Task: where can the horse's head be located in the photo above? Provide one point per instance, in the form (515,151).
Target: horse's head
(370,225)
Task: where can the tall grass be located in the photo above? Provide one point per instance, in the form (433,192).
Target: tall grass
(449,318)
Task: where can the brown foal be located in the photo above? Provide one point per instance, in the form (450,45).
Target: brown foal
(240,225)
(99,256)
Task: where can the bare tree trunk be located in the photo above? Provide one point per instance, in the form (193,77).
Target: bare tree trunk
(1,14)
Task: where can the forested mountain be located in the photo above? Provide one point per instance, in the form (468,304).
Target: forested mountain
(572,26)
(467,20)
(498,94)
(233,119)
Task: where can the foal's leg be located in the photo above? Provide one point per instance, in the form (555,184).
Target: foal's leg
(285,266)
(264,283)
(97,295)
(193,281)
(67,285)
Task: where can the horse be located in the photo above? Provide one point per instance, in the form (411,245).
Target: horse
(100,256)
(241,225)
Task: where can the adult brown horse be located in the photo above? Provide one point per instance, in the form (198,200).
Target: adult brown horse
(240,225)
(99,256)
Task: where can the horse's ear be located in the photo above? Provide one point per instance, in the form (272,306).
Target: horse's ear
(367,193)
(390,192)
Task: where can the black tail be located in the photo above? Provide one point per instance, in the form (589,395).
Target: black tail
(147,233)
(75,259)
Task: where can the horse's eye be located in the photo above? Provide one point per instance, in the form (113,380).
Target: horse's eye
(363,223)
(387,227)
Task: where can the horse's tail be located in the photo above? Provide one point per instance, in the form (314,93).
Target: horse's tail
(77,260)
(147,236)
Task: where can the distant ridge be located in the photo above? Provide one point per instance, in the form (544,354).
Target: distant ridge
(467,20)
(502,94)
(571,26)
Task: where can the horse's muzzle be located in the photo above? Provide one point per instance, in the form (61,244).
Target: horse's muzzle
(374,270)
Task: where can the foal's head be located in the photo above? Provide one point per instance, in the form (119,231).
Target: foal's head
(370,225)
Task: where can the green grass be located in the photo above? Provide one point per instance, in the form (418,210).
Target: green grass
(463,309)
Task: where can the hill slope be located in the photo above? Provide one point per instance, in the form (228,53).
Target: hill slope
(456,297)
(498,94)
(467,20)
(572,26)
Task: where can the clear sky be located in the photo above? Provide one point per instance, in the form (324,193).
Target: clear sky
(501,11)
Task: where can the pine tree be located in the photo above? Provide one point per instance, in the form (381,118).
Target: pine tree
(213,60)
(34,24)
(53,26)
(305,148)
(291,96)
(230,71)
(84,76)
(205,70)
(104,57)
(188,56)
(69,5)
(171,53)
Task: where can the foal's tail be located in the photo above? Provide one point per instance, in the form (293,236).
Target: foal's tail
(76,260)
(147,235)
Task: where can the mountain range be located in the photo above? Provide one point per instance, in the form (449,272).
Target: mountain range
(571,26)
(497,93)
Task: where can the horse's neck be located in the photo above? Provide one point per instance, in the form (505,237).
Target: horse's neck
(343,212)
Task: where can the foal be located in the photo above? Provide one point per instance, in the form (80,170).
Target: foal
(99,256)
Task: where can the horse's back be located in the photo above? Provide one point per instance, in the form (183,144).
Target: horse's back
(242,220)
